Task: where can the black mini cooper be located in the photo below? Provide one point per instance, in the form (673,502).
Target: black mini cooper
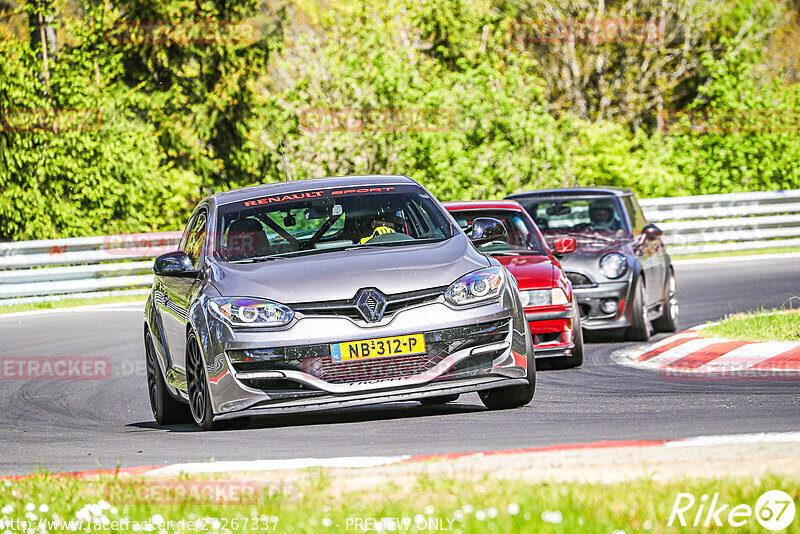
(621,273)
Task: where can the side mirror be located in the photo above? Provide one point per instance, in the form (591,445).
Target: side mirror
(485,229)
(651,231)
(175,264)
(565,245)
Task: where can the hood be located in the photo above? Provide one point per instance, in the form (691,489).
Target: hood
(531,272)
(338,275)
(589,252)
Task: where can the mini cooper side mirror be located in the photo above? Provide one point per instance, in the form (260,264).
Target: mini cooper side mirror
(174,264)
(651,231)
(485,229)
(565,245)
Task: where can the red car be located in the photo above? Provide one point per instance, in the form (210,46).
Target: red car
(545,290)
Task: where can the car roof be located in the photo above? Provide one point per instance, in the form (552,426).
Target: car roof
(483,205)
(574,192)
(293,186)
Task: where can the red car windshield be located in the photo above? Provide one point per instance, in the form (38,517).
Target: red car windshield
(522,235)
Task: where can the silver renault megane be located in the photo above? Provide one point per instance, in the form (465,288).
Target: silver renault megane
(330,293)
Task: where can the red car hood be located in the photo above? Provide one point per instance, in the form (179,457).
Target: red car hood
(531,272)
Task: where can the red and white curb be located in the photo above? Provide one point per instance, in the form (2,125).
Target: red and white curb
(689,355)
(360,462)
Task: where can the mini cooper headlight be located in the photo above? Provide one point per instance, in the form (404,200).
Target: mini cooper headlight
(543,297)
(243,311)
(478,286)
(613,265)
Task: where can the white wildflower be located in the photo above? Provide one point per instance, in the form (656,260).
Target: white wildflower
(480,515)
(553,517)
(513,508)
(327,522)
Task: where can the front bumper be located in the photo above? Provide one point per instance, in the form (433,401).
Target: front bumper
(589,299)
(291,370)
(552,332)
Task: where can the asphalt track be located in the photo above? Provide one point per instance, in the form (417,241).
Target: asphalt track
(67,425)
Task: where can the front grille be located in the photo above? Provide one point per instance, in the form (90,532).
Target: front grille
(579,280)
(349,308)
(378,368)
(316,359)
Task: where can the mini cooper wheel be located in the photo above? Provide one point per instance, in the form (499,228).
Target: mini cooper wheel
(511,396)
(668,322)
(166,409)
(639,330)
(441,399)
(197,386)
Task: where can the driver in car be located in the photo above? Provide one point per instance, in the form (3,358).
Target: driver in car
(380,226)
(603,215)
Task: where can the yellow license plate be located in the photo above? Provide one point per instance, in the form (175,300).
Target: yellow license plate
(378,348)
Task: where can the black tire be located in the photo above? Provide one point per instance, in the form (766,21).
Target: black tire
(166,409)
(512,396)
(197,386)
(668,322)
(576,358)
(639,330)
(441,399)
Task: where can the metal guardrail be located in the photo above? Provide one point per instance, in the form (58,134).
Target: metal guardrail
(82,267)
(731,222)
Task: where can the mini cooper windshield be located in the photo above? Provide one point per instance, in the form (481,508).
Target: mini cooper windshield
(599,217)
(315,222)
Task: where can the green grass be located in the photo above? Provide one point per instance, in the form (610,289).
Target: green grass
(758,326)
(481,505)
(733,253)
(69,303)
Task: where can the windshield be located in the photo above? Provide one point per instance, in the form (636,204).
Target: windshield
(600,216)
(522,235)
(314,222)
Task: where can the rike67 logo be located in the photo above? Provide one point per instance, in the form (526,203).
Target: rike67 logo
(774,510)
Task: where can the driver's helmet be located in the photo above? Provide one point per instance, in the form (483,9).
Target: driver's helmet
(603,214)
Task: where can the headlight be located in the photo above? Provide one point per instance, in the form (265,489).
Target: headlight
(485,284)
(543,297)
(243,311)
(613,265)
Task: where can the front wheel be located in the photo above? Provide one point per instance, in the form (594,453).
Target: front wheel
(511,396)
(166,409)
(668,322)
(639,330)
(197,386)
